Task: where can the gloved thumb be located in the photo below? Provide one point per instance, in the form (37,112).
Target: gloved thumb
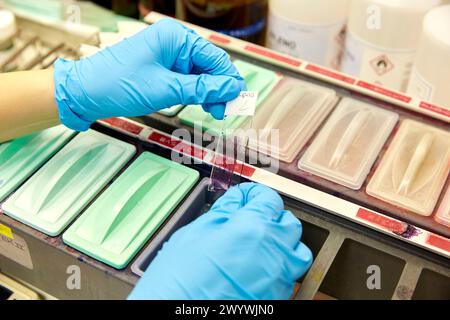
(208,89)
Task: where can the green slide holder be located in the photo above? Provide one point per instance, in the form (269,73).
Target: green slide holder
(257,79)
(116,226)
(172,111)
(58,192)
(21,157)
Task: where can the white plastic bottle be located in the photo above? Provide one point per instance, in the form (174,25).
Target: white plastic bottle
(430,79)
(313,30)
(382,40)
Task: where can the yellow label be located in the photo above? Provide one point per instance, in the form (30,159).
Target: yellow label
(6,231)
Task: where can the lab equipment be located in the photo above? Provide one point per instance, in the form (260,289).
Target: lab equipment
(348,145)
(294,111)
(413,171)
(20,158)
(443,213)
(231,147)
(57,193)
(115,227)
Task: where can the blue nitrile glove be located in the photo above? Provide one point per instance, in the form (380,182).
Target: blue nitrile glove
(164,65)
(246,247)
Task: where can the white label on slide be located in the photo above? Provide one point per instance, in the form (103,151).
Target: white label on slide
(384,67)
(320,44)
(243,105)
(420,87)
(16,249)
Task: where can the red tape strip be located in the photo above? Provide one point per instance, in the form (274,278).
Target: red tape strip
(439,242)
(382,221)
(271,55)
(177,145)
(435,109)
(219,39)
(124,125)
(330,74)
(384,91)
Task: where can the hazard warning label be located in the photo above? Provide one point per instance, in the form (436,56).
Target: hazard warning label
(382,65)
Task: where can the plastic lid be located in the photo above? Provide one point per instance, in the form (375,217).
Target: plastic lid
(116,226)
(257,79)
(295,109)
(57,193)
(172,111)
(437,24)
(348,145)
(413,172)
(8,27)
(21,157)
(317,12)
(443,213)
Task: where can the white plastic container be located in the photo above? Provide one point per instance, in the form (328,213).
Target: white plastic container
(349,143)
(430,79)
(382,40)
(310,30)
(414,169)
(443,213)
(295,109)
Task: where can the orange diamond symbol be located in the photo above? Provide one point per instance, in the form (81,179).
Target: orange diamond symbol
(382,65)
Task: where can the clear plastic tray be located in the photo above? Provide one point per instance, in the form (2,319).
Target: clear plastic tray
(295,109)
(348,145)
(414,170)
(443,213)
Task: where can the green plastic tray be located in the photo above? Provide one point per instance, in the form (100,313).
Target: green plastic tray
(58,192)
(21,157)
(172,111)
(257,79)
(129,212)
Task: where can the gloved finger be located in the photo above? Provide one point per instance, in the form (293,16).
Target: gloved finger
(288,229)
(300,261)
(262,201)
(204,89)
(230,202)
(217,110)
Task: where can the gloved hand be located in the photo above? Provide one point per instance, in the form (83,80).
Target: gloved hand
(164,65)
(246,247)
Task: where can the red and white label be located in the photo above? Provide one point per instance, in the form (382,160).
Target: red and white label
(219,39)
(177,145)
(435,109)
(384,222)
(384,91)
(439,242)
(330,74)
(272,55)
(124,125)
